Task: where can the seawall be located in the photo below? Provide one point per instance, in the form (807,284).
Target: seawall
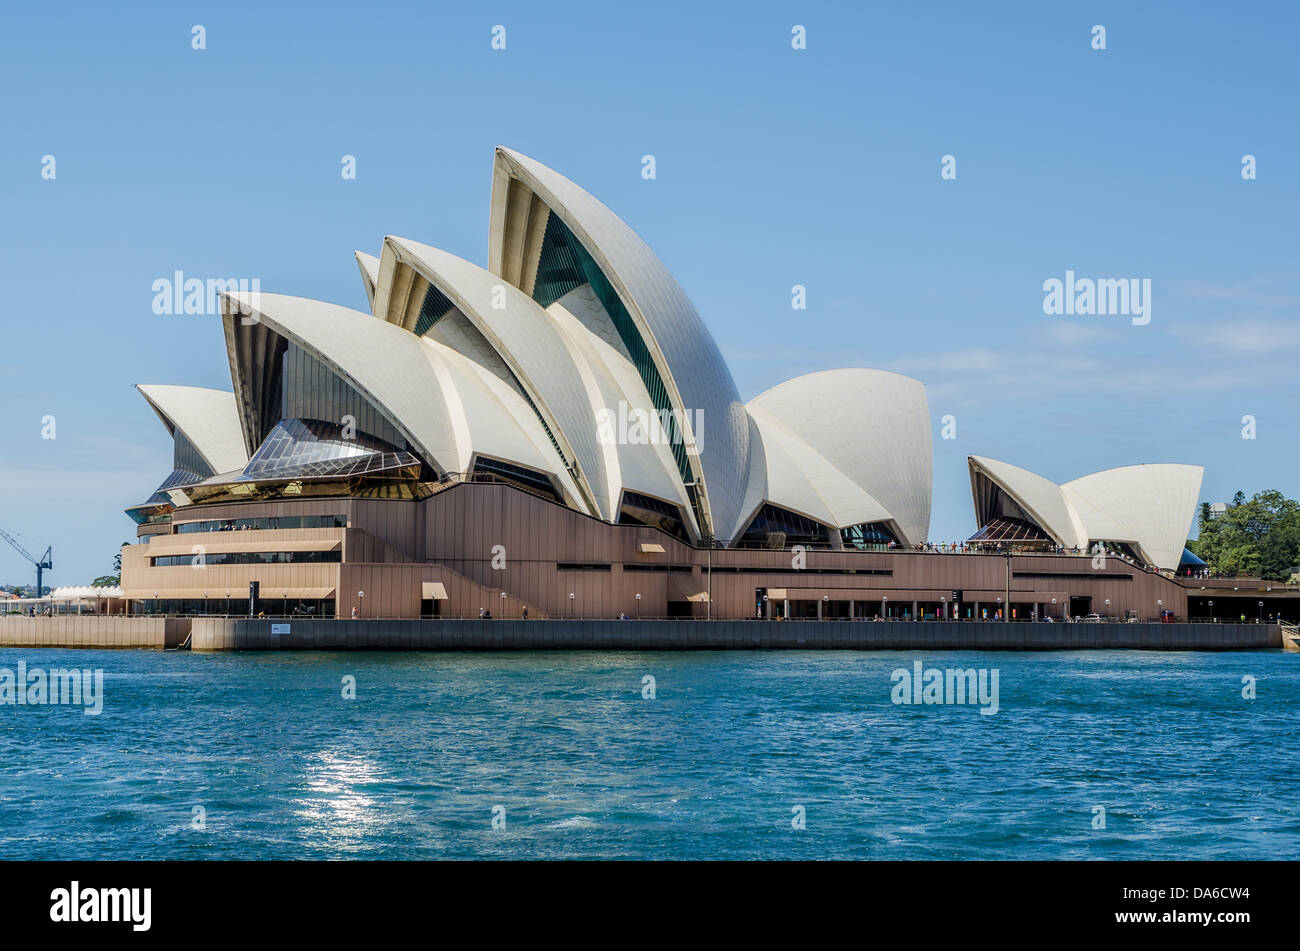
(223,634)
(233,634)
(95,631)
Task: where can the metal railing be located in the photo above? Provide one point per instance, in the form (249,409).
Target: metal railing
(661,617)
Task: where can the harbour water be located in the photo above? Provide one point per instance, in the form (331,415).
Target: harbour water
(260,755)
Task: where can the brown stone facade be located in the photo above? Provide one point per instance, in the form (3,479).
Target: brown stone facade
(458,551)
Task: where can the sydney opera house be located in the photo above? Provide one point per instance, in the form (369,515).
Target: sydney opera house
(558,434)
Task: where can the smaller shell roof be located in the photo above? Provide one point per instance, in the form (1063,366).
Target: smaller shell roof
(369,265)
(448,407)
(1148,506)
(208,418)
(870,426)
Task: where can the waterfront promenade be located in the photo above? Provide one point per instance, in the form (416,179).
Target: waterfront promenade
(235,634)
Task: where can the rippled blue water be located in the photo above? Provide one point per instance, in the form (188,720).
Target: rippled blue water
(283,766)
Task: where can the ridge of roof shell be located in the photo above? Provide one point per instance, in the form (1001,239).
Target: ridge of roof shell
(683,350)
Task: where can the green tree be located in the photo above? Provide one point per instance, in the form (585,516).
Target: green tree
(1255,537)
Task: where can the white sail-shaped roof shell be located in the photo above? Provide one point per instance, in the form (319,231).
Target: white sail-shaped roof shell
(617,403)
(1150,507)
(1155,504)
(529,343)
(466,363)
(802,480)
(1040,498)
(447,407)
(208,418)
(369,266)
(857,439)
(684,353)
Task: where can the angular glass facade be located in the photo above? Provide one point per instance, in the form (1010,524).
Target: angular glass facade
(435,306)
(638,509)
(775,527)
(268,523)
(160,502)
(312,390)
(564,265)
(1005,528)
(251,558)
(867,536)
(497,470)
(312,448)
(186,458)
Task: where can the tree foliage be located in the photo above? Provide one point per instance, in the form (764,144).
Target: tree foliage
(1257,537)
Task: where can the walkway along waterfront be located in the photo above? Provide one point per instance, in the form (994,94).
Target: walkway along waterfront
(233,634)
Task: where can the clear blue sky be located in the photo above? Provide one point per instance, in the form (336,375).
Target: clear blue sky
(775,167)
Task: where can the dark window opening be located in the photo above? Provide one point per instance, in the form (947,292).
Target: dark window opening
(248,558)
(1005,528)
(435,306)
(868,536)
(778,528)
(495,470)
(263,524)
(638,509)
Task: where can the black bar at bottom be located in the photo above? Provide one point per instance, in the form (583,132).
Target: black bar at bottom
(930,900)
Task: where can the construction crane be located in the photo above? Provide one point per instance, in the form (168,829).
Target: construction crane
(42,563)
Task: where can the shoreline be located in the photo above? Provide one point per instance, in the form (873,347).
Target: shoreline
(245,634)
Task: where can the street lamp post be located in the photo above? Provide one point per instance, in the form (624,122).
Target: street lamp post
(1008,578)
(361,609)
(1108,609)
(999,610)
(1211,609)
(826,601)
(708,576)
(570,605)
(943,609)
(1053,605)
(884,605)
(1160,609)
(638,605)
(1261,611)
